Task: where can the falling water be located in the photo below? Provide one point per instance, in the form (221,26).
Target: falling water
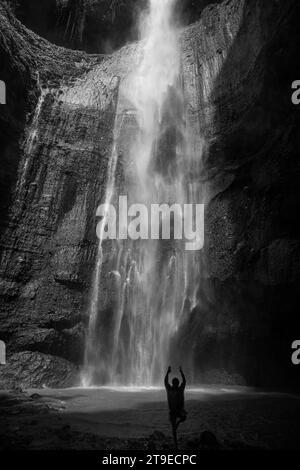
(92,340)
(141,289)
(31,139)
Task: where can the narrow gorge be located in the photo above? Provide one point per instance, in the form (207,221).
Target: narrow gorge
(186,102)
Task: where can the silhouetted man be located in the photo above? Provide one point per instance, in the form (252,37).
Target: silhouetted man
(175,393)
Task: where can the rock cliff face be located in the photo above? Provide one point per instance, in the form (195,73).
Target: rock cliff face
(238,60)
(28,61)
(95,26)
(244,56)
(92,25)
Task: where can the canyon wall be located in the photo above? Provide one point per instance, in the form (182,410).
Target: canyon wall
(95,26)
(238,62)
(244,54)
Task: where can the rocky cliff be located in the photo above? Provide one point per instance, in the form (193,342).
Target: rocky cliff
(94,26)
(238,60)
(243,54)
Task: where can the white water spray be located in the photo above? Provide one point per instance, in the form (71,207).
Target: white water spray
(148,86)
(138,299)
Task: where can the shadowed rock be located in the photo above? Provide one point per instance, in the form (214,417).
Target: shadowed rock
(35,370)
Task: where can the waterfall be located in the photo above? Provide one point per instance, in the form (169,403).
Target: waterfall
(31,138)
(141,288)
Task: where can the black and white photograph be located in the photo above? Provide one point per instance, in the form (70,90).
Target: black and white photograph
(149,235)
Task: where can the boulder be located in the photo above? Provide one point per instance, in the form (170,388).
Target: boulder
(35,370)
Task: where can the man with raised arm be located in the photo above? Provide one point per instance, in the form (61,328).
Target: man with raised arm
(175,394)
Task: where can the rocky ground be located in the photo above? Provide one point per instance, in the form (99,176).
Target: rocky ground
(76,419)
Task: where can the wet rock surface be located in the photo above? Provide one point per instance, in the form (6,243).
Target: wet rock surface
(239,61)
(251,169)
(95,26)
(33,369)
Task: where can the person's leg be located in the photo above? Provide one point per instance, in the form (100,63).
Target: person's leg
(174,429)
(181,418)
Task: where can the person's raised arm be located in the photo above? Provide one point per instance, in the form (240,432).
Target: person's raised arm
(183,377)
(167,385)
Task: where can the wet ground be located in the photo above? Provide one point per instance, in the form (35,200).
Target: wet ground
(106,418)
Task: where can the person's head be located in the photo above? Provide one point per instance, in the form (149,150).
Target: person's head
(175,382)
